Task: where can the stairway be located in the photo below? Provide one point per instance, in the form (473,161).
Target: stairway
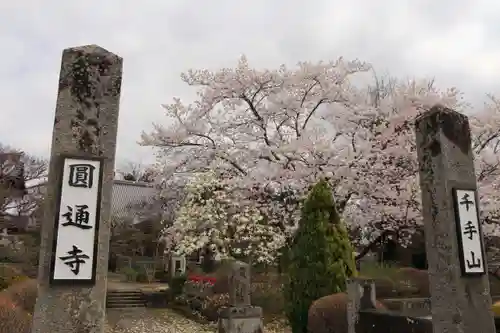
(125,299)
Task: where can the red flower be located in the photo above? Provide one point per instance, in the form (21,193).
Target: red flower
(203,279)
(194,278)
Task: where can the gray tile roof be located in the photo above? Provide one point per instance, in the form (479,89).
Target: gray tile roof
(124,195)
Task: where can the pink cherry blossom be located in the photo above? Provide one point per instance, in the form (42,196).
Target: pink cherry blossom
(267,135)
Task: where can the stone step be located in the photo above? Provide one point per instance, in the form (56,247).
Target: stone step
(124,292)
(125,306)
(125,299)
(131,296)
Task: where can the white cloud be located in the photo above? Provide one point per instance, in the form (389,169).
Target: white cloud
(456,42)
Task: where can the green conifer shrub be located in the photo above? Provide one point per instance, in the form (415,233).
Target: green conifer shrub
(320,259)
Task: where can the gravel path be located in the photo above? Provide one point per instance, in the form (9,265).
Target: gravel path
(152,321)
(145,320)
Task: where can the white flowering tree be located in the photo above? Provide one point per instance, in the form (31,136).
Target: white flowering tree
(217,212)
(282,129)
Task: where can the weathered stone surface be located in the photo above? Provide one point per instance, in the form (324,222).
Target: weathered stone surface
(416,307)
(361,296)
(459,303)
(240,316)
(241,325)
(239,284)
(241,320)
(241,312)
(85,124)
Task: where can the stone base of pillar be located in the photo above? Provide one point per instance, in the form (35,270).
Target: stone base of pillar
(245,319)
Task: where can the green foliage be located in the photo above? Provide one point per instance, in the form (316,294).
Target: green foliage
(142,276)
(9,274)
(24,254)
(177,284)
(376,270)
(130,274)
(8,255)
(161,276)
(320,258)
(145,271)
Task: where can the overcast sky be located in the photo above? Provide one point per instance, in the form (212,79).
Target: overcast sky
(457,42)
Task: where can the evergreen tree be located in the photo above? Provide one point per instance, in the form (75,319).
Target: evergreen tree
(320,259)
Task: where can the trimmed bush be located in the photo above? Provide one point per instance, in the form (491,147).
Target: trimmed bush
(416,277)
(320,258)
(130,274)
(13,318)
(329,314)
(142,277)
(177,284)
(23,294)
(162,276)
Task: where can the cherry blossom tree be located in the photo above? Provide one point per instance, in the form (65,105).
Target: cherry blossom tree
(138,172)
(15,198)
(283,129)
(393,162)
(264,127)
(391,200)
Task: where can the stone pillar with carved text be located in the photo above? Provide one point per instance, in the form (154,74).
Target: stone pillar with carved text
(75,231)
(458,276)
(240,316)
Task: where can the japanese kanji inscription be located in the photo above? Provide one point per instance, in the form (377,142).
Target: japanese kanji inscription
(239,284)
(78,221)
(74,259)
(81,175)
(469,232)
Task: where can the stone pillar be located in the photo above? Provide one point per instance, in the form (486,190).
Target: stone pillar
(85,127)
(460,295)
(360,296)
(240,316)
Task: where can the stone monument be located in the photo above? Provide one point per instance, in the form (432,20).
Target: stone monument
(459,286)
(75,232)
(357,289)
(240,316)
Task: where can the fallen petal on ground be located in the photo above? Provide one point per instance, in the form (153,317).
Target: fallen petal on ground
(142,320)
(152,321)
